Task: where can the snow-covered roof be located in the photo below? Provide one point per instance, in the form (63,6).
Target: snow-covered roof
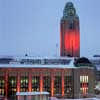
(35,57)
(36,62)
(54,98)
(70,65)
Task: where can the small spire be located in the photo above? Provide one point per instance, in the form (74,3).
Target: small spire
(26,55)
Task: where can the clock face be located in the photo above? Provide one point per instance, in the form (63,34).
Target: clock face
(71,12)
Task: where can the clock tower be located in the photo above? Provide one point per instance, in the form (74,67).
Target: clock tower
(69,32)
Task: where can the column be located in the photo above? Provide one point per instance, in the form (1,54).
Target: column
(30,85)
(52,84)
(41,82)
(6,85)
(30,82)
(18,82)
(62,83)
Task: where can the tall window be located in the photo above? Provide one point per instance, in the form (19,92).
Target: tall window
(47,82)
(68,84)
(2,82)
(24,82)
(12,86)
(35,82)
(57,84)
(84,84)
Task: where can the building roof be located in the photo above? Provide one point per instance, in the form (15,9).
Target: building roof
(42,62)
(35,66)
(36,62)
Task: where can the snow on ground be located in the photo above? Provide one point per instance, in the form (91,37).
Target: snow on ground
(81,99)
(77,99)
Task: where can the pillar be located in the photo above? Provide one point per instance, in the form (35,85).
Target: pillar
(6,85)
(41,82)
(18,82)
(62,83)
(30,82)
(52,84)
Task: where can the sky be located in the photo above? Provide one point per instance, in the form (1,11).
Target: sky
(33,27)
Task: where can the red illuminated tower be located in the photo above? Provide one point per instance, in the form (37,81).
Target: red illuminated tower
(70,32)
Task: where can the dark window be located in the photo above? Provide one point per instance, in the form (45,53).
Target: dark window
(68,86)
(57,85)
(46,83)
(71,25)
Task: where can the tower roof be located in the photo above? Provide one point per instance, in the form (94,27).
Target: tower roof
(69,9)
(69,4)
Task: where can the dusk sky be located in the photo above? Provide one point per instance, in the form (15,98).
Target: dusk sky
(33,26)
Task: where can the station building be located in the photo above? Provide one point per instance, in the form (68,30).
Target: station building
(61,77)
(67,76)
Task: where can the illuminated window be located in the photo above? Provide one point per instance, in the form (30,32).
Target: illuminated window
(84,84)
(12,86)
(2,82)
(24,82)
(35,83)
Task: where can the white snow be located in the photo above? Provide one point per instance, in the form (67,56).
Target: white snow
(77,99)
(35,66)
(31,93)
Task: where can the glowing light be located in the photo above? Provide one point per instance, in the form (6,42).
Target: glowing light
(62,84)
(52,85)
(12,82)
(30,83)
(84,82)
(41,83)
(71,42)
(18,83)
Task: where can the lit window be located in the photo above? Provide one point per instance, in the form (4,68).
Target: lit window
(2,85)
(84,85)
